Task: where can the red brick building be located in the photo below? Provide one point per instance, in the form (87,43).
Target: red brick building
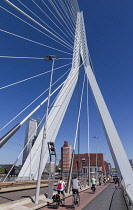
(66,152)
(84,162)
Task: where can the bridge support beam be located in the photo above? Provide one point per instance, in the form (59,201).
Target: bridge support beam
(116,148)
(56,115)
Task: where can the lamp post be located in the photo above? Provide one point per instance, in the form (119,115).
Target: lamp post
(106,168)
(96,154)
(47,58)
(84,168)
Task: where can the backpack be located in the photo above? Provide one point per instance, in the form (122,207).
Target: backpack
(56,198)
(59,186)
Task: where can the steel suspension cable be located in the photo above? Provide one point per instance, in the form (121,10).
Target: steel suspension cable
(70,48)
(23,150)
(55,117)
(75,139)
(70,17)
(42,20)
(49,140)
(65,9)
(14,57)
(53,5)
(35,108)
(66,105)
(66,18)
(33,102)
(75,2)
(88,134)
(79,114)
(32,19)
(26,146)
(31,77)
(73,12)
(33,41)
(57,19)
(52,22)
(65,15)
(34,58)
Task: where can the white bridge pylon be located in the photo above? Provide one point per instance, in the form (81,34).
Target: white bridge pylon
(59,108)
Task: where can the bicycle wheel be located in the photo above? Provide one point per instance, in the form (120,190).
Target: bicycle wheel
(57,205)
(78,200)
(74,201)
(63,201)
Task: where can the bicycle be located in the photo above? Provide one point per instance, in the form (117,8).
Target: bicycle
(76,200)
(93,188)
(58,199)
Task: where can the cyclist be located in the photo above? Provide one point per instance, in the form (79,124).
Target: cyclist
(75,187)
(104,180)
(61,187)
(117,181)
(108,179)
(99,180)
(93,182)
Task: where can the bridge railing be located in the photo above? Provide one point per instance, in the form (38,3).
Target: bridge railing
(128,197)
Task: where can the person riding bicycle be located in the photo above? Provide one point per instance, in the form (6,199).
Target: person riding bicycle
(75,185)
(117,181)
(93,182)
(61,187)
(104,180)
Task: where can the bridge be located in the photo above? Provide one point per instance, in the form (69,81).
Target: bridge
(114,199)
(63,32)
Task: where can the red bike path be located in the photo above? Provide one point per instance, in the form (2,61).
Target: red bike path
(85,197)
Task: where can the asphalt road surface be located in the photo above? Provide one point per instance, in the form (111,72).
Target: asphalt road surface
(109,199)
(16,195)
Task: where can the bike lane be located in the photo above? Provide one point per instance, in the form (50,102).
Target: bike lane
(85,197)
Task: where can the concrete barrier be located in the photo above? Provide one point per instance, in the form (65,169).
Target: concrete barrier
(15,186)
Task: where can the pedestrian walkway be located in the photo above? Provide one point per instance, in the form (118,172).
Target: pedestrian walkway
(85,197)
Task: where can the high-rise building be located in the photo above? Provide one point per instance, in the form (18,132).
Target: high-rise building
(32,131)
(66,152)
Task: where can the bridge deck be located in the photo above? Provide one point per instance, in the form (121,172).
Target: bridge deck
(105,197)
(110,199)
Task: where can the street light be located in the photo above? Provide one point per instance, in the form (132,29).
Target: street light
(47,58)
(84,168)
(51,57)
(96,154)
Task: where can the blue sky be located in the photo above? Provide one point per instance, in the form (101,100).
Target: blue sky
(109,30)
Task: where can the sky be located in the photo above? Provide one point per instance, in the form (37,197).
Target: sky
(109,31)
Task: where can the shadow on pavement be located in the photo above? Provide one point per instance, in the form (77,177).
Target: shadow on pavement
(6,198)
(28,197)
(89,192)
